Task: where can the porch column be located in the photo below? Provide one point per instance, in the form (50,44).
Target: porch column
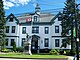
(30,46)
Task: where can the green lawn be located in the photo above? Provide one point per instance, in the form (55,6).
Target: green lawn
(20,55)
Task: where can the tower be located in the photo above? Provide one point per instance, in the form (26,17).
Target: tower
(37,9)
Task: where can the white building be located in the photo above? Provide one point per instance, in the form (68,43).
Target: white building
(44,28)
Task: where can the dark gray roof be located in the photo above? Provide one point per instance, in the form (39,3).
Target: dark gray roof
(44,17)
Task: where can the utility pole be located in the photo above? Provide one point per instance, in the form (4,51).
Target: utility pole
(76,27)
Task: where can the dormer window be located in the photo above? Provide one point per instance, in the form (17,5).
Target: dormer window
(35,18)
(11,19)
(59,18)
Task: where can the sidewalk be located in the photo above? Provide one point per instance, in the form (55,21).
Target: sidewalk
(70,58)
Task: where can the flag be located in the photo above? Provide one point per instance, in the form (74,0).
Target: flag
(28,19)
(74,32)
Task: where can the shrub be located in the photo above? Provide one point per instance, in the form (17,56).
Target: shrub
(19,49)
(54,52)
(68,52)
(73,52)
(6,50)
(14,46)
(62,51)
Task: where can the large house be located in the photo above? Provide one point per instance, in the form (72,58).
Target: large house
(44,28)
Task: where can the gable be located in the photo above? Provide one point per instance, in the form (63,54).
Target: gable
(59,15)
(12,18)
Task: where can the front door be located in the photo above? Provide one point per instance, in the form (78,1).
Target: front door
(34,45)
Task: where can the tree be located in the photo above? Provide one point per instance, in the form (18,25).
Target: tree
(68,23)
(2,26)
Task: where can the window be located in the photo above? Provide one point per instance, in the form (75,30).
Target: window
(46,30)
(35,18)
(6,42)
(35,29)
(23,39)
(23,30)
(59,18)
(56,42)
(12,42)
(46,42)
(11,19)
(7,29)
(56,29)
(13,29)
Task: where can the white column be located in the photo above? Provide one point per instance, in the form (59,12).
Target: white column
(30,46)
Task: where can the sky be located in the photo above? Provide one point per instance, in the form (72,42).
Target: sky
(26,6)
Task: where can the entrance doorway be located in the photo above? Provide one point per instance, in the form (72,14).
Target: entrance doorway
(34,43)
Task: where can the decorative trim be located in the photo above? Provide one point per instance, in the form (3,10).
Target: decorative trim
(35,23)
(61,36)
(12,36)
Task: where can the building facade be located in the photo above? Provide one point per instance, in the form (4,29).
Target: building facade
(44,28)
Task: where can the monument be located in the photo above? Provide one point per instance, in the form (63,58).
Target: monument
(27,45)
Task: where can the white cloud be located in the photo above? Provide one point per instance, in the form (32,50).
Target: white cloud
(34,3)
(8,4)
(11,3)
(6,7)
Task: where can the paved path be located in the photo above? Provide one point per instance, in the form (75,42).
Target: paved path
(11,59)
(70,58)
(29,59)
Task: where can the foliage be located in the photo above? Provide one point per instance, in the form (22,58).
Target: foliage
(2,26)
(61,51)
(68,52)
(19,49)
(67,22)
(6,50)
(73,52)
(54,52)
(65,42)
(14,46)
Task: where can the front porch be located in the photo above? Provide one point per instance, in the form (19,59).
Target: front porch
(32,44)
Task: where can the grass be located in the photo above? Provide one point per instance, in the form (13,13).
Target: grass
(21,55)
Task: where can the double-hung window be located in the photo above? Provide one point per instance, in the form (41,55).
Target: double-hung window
(56,29)
(7,29)
(46,30)
(46,42)
(56,42)
(35,29)
(13,29)
(23,30)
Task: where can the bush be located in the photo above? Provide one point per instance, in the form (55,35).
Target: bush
(73,52)
(6,50)
(14,46)
(68,52)
(62,51)
(54,52)
(19,49)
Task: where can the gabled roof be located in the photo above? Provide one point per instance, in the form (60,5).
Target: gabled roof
(52,21)
(13,17)
(45,18)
